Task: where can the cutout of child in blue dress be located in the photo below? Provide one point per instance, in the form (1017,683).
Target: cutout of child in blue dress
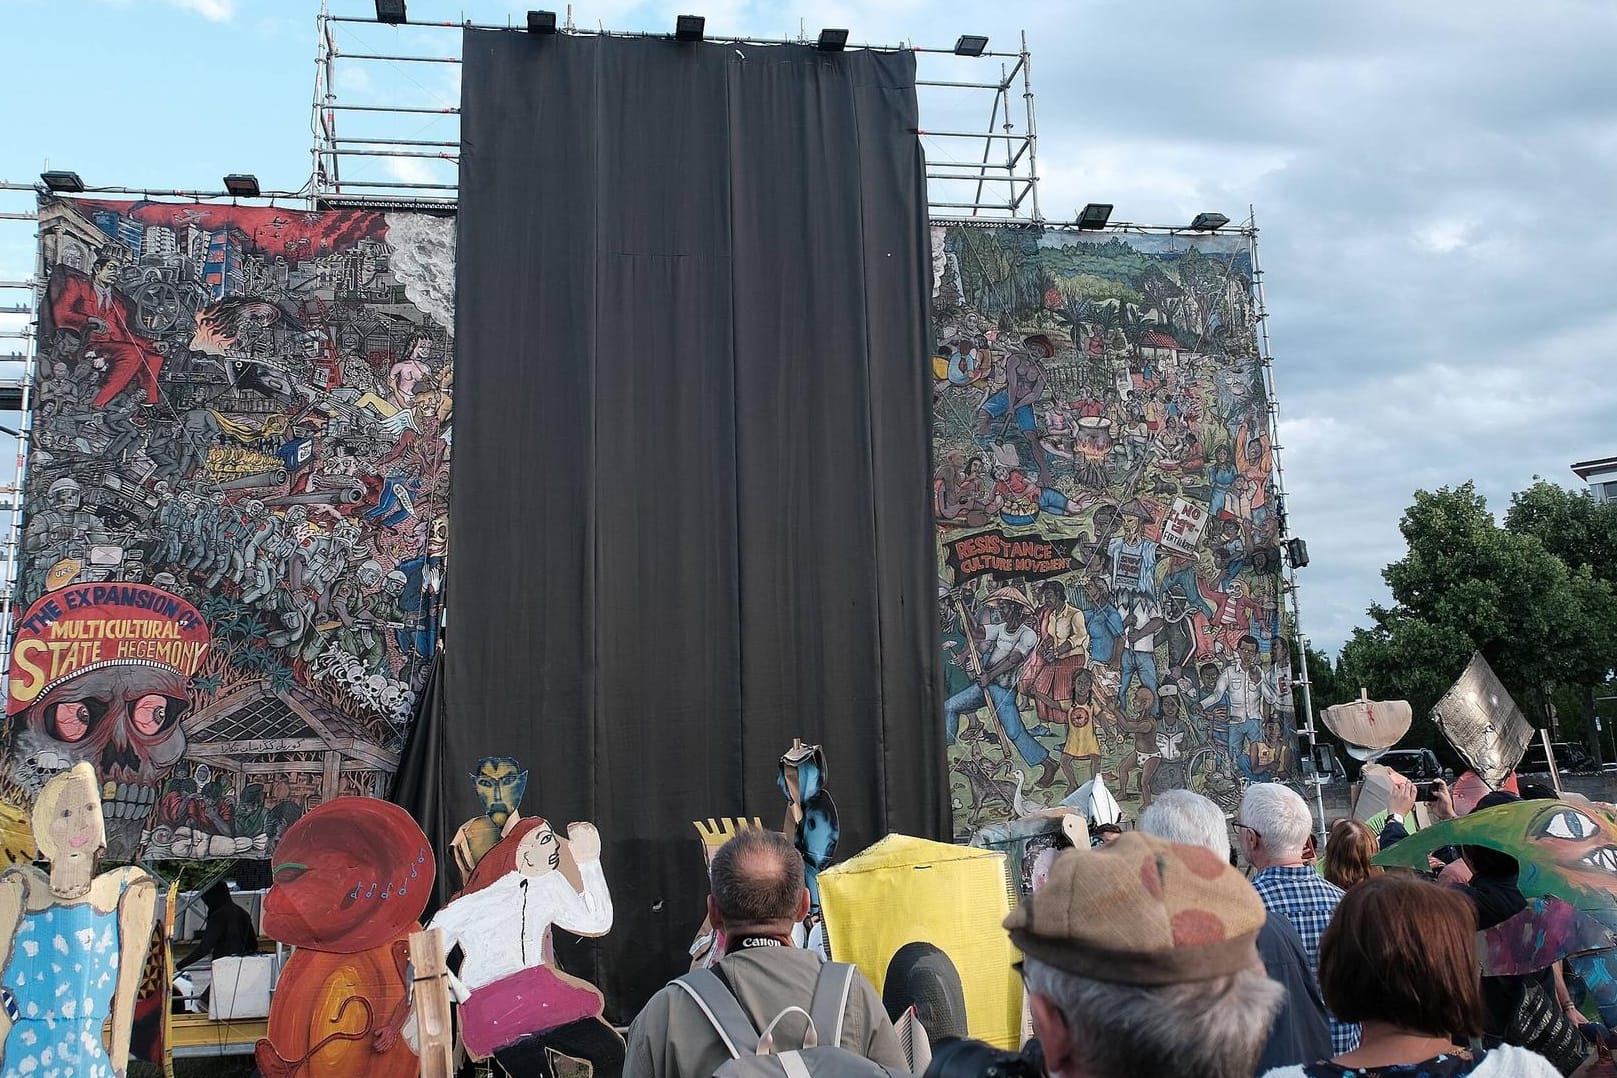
(71,944)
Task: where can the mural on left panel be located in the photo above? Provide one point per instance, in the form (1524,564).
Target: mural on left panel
(232,560)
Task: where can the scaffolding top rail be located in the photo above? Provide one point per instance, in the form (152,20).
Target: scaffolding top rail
(401,148)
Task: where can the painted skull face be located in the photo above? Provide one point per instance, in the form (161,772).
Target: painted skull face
(124,720)
(353,874)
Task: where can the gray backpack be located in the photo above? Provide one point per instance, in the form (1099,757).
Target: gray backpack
(754,1055)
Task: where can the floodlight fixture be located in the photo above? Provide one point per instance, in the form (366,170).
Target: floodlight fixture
(832,40)
(541,22)
(971,45)
(62,182)
(1094,215)
(242,185)
(689,28)
(1208,222)
(391,12)
(1297,553)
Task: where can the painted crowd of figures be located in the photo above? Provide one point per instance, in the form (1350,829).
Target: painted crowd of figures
(1108,529)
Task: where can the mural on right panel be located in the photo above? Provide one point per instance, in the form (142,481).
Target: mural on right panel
(1108,528)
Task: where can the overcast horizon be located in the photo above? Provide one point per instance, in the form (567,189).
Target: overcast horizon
(1432,185)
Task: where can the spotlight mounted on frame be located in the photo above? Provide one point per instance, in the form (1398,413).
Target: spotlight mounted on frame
(62,182)
(242,185)
(971,45)
(1208,222)
(541,22)
(1094,215)
(832,40)
(690,28)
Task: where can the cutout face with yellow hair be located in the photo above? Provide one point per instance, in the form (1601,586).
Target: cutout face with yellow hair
(72,944)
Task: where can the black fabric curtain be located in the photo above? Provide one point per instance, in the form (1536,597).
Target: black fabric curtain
(690,515)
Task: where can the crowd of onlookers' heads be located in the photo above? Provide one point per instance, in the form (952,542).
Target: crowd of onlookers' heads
(1153,954)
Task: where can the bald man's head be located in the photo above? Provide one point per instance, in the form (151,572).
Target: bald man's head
(758,882)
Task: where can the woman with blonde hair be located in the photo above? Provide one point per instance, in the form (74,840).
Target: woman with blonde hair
(1348,852)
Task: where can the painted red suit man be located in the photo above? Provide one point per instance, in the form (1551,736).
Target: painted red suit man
(92,308)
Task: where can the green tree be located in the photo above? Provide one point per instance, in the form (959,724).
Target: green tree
(1582,532)
(1465,584)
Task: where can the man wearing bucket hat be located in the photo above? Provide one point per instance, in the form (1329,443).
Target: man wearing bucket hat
(1141,959)
(1003,648)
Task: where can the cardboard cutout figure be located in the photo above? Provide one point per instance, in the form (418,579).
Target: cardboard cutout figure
(520,1005)
(708,947)
(811,815)
(1483,723)
(350,882)
(500,782)
(72,945)
(1368,727)
(1564,850)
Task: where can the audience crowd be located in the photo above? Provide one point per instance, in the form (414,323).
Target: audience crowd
(1151,953)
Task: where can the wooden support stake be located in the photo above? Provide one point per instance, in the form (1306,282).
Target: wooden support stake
(434,1030)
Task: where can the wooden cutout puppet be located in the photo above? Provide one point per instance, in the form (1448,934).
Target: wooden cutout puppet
(811,815)
(73,944)
(500,782)
(521,1006)
(351,880)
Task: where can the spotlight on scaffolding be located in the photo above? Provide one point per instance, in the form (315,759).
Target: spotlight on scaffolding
(62,182)
(832,40)
(242,185)
(390,12)
(541,22)
(1208,222)
(1095,215)
(689,28)
(971,45)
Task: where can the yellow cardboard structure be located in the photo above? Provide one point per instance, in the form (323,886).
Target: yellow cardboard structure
(906,890)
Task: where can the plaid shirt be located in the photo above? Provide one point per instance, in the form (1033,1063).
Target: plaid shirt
(1308,900)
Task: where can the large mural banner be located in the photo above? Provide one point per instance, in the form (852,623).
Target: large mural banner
(232,558)
(1108,534)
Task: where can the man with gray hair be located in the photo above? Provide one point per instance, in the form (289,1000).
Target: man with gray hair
(757,896)
(1141,960)
(1300,1035)
(1277,839)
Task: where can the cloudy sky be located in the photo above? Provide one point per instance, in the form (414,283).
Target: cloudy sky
(1436,185)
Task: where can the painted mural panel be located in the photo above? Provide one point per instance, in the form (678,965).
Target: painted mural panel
(231,564)
(1108,562)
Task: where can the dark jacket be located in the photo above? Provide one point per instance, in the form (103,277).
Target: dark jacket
(228,930)
(1299,1034)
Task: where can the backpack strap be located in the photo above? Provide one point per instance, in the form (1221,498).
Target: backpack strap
(830,1002)
(723,1011)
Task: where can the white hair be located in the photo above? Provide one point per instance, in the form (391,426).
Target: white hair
(1212,1029)
(1280,817)
(1187,818)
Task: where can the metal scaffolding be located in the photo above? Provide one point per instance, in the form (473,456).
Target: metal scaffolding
(1306,718)
(991,173)
(20,295)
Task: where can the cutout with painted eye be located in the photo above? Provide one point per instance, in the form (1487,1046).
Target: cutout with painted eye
(1570,825)
(287,873)
(70,721)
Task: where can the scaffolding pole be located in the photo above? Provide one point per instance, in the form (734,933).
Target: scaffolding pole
(1289,572)
(25,426)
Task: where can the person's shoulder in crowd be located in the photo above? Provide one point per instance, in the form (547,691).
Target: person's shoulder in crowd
(1506,1061)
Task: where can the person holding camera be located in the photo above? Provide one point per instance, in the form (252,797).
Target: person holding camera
(1141,959)
(757,895)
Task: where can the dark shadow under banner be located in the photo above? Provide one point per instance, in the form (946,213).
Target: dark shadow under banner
(690,510)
